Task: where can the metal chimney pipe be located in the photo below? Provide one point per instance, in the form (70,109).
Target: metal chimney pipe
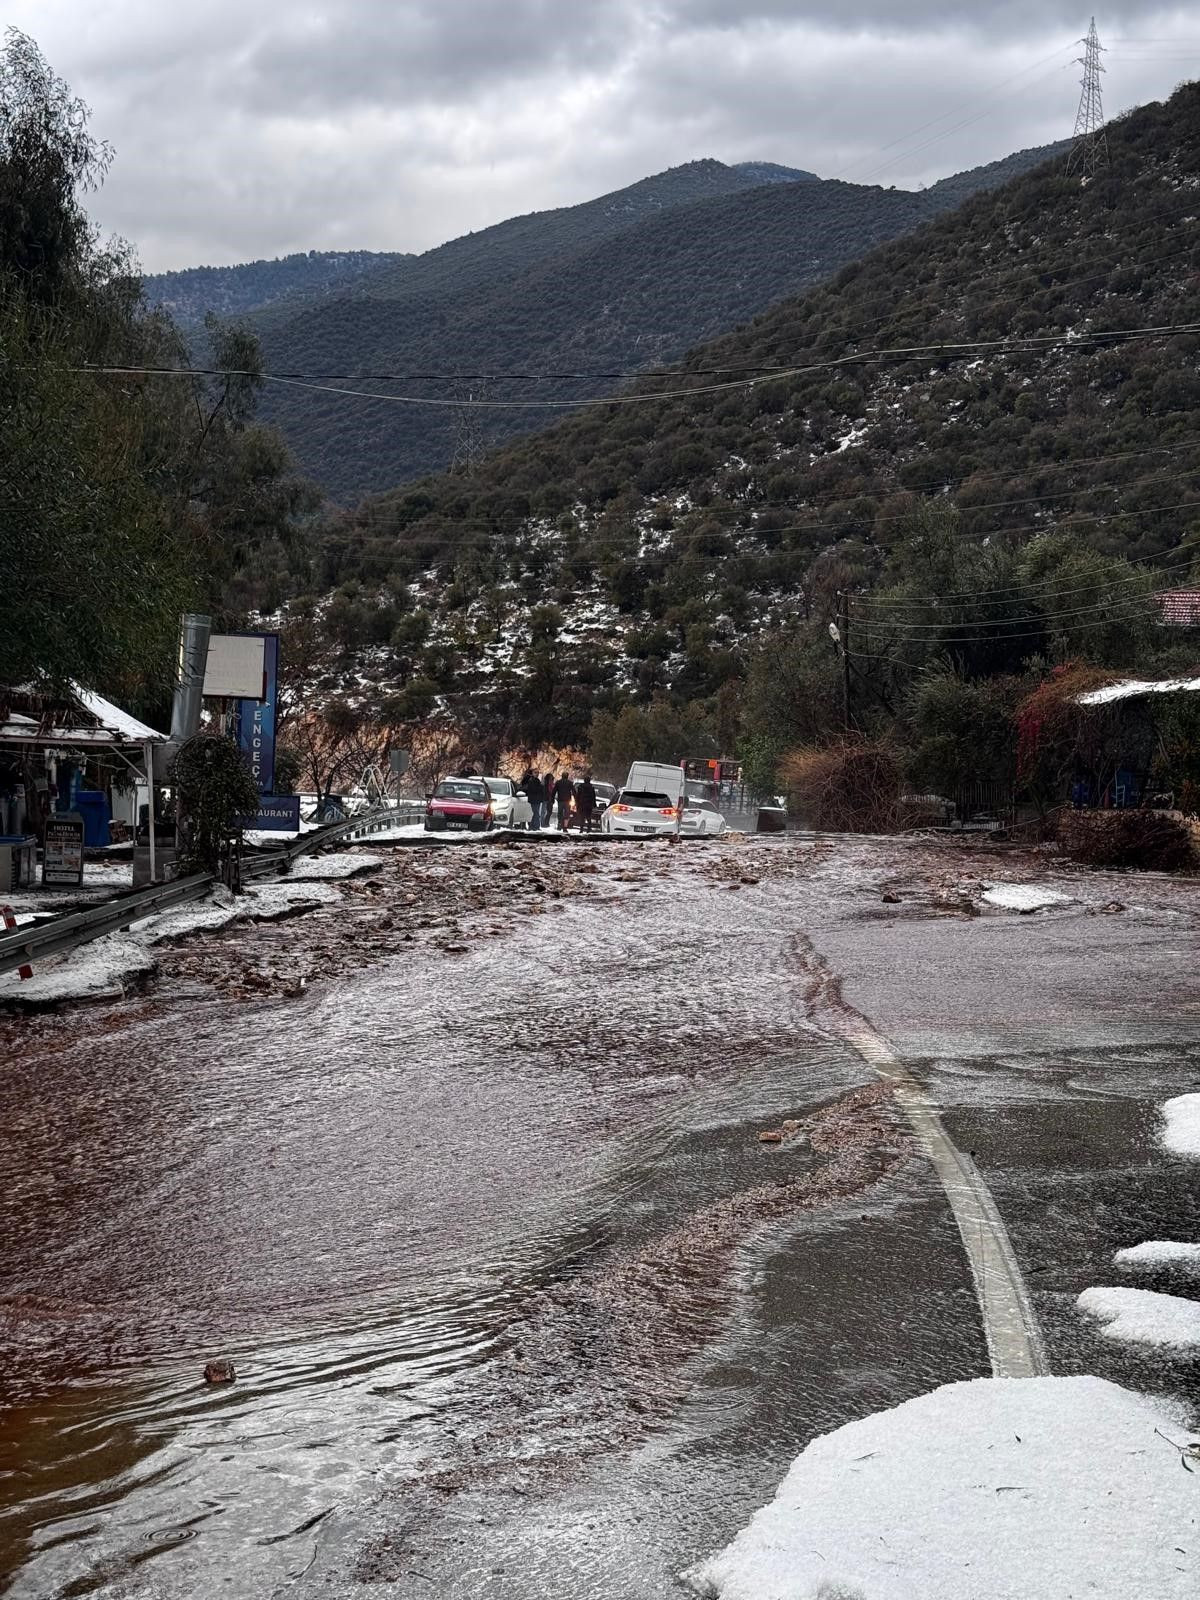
(194,630)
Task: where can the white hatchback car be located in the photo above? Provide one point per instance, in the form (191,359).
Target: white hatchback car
(701,819)
(510,809)
(640,812)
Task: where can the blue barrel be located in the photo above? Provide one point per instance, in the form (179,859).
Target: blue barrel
(92,806)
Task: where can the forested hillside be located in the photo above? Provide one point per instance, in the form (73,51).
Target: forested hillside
(615,285)
(125,500)
(971,428)
(190,294)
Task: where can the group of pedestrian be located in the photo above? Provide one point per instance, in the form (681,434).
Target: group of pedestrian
(549,794)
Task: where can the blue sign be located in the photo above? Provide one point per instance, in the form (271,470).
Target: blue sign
(256,720)
(277,813)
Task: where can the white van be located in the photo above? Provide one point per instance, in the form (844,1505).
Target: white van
(659,779)
(650,803)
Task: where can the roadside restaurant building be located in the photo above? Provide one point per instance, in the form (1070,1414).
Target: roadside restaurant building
(73,751)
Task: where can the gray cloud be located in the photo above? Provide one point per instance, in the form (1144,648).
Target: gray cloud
(246,129)
(378,53)
(1000,17)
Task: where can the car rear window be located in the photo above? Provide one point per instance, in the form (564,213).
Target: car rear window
(641,797)
(460,791)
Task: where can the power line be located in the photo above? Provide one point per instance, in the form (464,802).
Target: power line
(1016,591)
(766,369)
(918,630)
(1117,615)
(956,127)
(1031,527)
(1005,285)
(1014,345)
(989,94)
(384,515)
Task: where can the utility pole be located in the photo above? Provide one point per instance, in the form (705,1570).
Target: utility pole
(1089,152)
(844,630)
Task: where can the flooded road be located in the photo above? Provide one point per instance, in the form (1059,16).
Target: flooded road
(519,1303)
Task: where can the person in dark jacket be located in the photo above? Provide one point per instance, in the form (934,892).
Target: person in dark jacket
(564,793)
(548,783)
(585,804)
(535,794)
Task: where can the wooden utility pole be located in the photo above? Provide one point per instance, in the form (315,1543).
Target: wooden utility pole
(844,631)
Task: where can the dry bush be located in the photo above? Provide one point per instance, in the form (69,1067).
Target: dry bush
(1145,839)
(852,786)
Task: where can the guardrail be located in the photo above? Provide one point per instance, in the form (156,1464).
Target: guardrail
(399,816)
(37,940)
(40,939)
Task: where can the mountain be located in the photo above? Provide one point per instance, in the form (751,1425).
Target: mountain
(995,375)
(960,186)
(252,285)
(615,285)
(771,172)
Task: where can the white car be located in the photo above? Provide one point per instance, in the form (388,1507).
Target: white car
(510,809)
(640,812)
(701,819)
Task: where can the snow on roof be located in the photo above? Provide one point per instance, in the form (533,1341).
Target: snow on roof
(97,724)
(1142,1316)
(26,730)
(114,719)
(1181,1130)
(1128,687)
(991,1488)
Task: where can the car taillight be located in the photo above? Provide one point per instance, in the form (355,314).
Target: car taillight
(620,808)
(666,811)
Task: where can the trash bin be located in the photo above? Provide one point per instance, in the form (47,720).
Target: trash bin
(92,806)
(165,864)
(18,861)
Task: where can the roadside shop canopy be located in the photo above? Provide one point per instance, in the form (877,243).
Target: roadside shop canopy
(75,720)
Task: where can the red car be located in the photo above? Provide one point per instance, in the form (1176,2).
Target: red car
(459,803)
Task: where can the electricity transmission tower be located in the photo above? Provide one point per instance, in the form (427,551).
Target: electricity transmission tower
(1089,152)
(471,439)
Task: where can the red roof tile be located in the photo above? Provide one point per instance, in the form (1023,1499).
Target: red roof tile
(1181,607)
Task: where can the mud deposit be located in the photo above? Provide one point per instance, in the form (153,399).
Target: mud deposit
(463,1173)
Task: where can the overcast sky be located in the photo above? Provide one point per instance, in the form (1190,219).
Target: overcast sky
(247,128)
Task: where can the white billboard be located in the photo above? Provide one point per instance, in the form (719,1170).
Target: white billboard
(236,665)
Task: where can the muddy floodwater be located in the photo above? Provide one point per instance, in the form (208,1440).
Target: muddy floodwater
(519,1302)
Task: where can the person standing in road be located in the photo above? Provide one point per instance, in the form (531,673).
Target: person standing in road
(585,803)
(564,793)
(535,794)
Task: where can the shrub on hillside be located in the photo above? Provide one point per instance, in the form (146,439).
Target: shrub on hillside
(1145,839)
(852,786)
